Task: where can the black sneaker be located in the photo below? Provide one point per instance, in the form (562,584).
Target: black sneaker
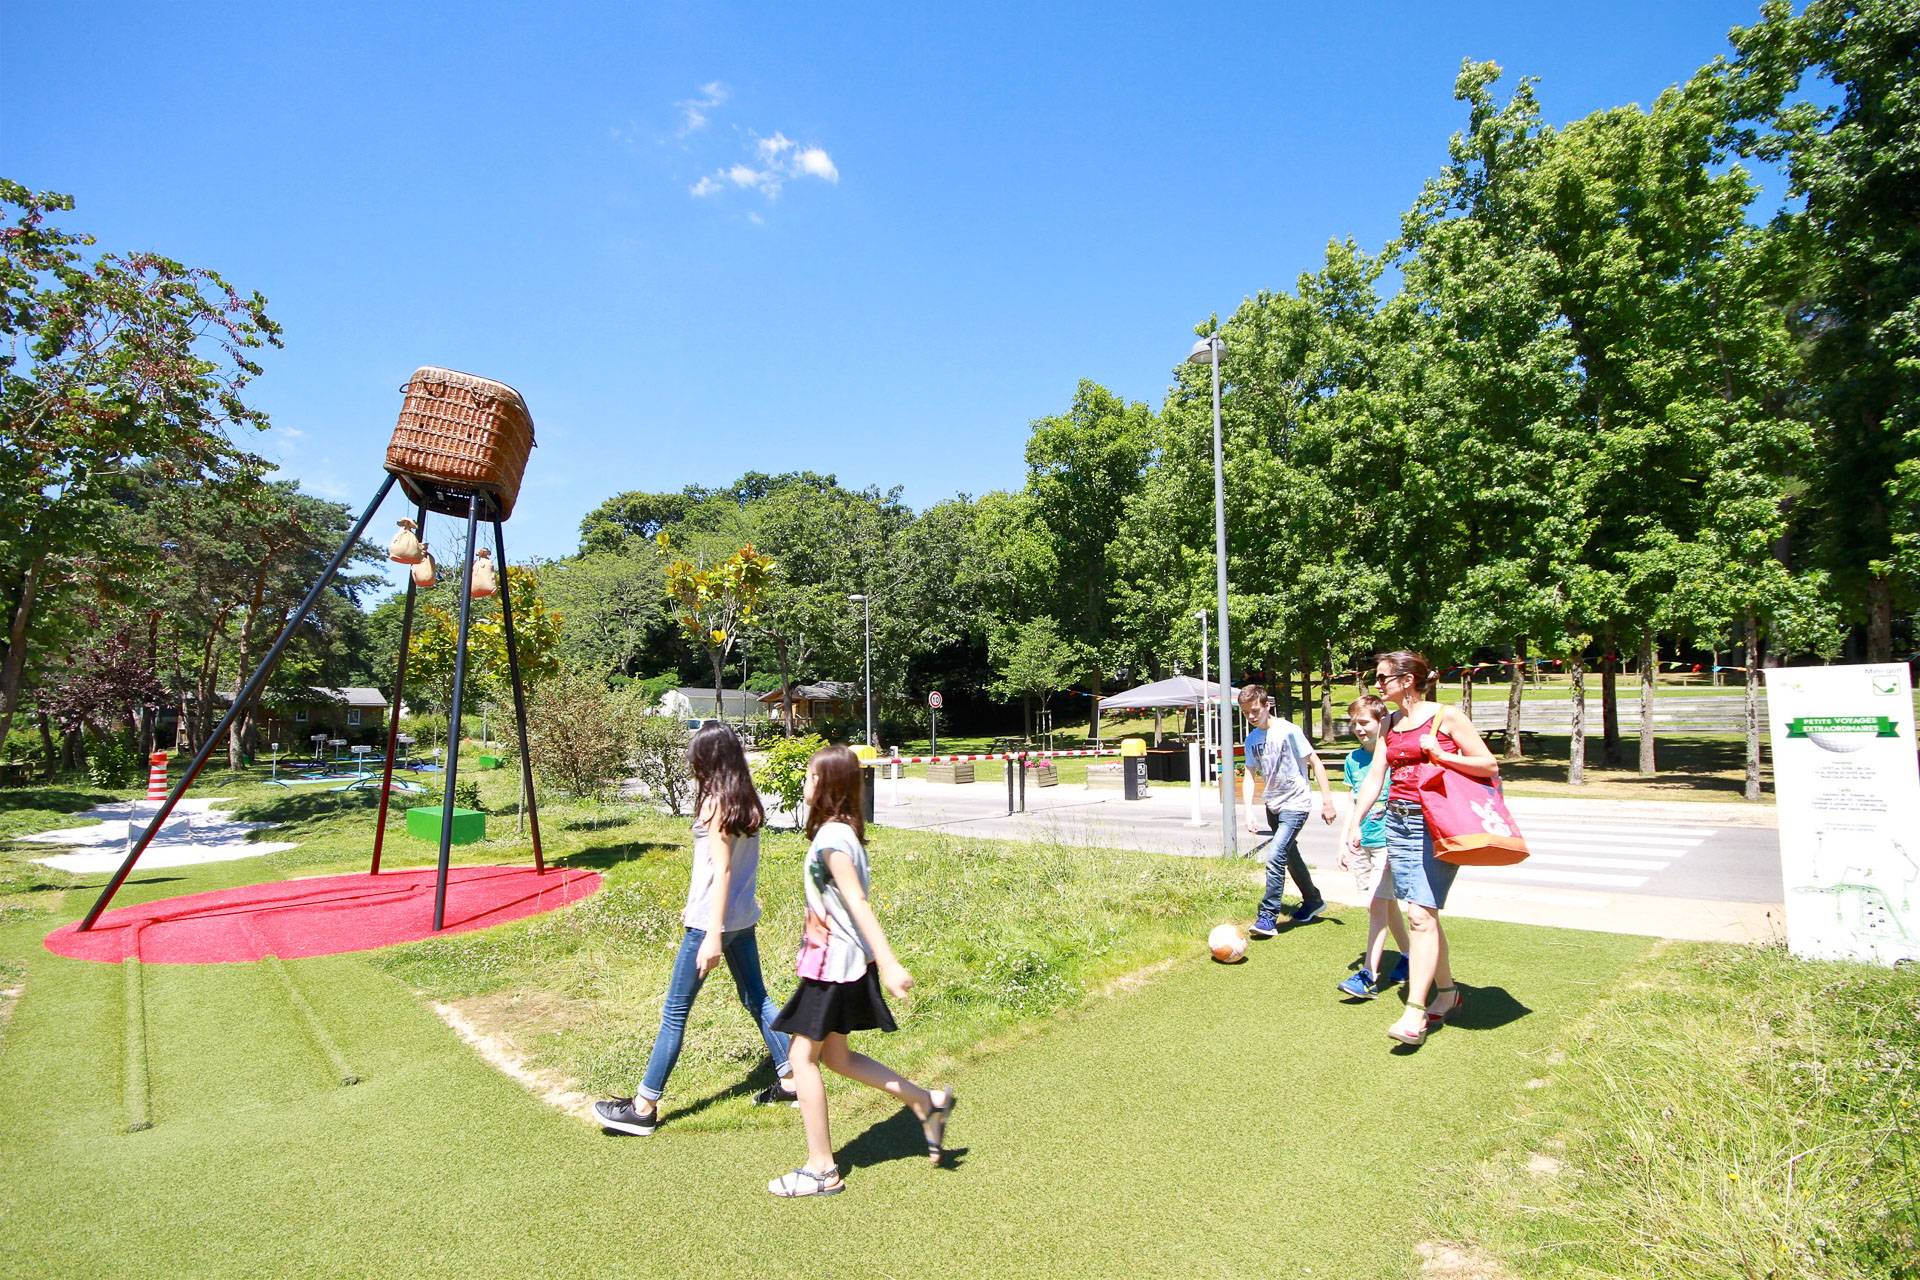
(618,1116)
(1308,912)
(774,1094)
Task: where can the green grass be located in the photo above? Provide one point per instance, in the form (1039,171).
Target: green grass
(1128,1107)
(1729,1112)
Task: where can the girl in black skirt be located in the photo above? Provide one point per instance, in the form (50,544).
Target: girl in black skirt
(844,961)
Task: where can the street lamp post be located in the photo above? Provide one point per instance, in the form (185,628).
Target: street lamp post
(1210,351)
(1206,720)
(867,608)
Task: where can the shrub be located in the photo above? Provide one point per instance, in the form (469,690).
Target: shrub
(783,774)
(466,794)
(582,734)
(111,762)
(660,760)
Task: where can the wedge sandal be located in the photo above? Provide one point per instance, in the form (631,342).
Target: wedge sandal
(934,1127)
(805,1182)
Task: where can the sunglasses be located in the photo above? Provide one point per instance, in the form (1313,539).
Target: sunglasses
(1381,678)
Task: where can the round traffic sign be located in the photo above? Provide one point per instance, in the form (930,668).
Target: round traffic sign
(934,700)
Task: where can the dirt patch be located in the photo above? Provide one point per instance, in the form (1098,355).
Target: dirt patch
(1139,978)
(1445,1260)
(496,1027)
(1542,1165)
(9,997)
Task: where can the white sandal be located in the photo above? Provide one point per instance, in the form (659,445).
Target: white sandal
(805,1182)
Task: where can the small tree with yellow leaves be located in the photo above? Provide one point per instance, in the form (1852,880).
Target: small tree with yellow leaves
(713,605)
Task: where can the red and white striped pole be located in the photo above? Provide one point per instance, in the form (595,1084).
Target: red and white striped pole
(157,776)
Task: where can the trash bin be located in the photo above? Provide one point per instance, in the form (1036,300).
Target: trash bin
(1133,769)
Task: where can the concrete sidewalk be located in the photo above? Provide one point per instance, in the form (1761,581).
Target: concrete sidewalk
(1700,871)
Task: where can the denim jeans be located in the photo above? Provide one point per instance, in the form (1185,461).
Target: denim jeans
(742,954)
(1283,854)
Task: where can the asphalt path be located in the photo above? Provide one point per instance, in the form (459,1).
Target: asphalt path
(1670,869)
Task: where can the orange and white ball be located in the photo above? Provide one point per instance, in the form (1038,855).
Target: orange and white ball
(1227,943)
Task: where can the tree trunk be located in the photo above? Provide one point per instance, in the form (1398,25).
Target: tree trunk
(1286,689)
(1516,692)
(1466,691)
(1577,731)
(1326,694)
(16,664)
(242,726)
(1610,706)
(1649,664)
(1306,693)
(786,683)
(1752,791)
(1026,715)
(1879,619)
(49,753)
(718,658)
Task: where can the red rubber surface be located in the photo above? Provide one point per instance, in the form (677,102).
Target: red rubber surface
(319,917)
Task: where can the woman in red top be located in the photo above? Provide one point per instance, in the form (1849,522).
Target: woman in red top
(1421,737)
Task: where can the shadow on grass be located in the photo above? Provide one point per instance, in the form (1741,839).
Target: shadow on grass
(295,807)
(602,856)
(898,1137)
(1715,765)
(1486,1009)
(58,799)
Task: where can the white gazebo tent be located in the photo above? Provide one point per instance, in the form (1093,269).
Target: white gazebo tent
(1184,693)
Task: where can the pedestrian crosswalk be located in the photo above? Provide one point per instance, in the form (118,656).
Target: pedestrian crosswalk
(1598,855)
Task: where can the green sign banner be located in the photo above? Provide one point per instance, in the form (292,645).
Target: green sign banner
(1878,726)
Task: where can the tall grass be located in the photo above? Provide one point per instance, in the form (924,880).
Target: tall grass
(1731,1112)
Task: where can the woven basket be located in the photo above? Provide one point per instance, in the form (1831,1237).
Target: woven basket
(460,435)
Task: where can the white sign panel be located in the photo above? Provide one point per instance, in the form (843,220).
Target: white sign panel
(1845,776)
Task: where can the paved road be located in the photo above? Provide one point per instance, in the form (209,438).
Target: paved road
(1670,869)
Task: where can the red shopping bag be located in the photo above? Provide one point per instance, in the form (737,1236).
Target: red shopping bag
(1468,820)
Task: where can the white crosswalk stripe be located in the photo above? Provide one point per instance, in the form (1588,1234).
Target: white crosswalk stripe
(1595,855)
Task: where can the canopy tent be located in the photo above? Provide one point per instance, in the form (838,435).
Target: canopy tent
(1179,692)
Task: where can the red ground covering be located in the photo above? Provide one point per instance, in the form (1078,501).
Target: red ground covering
(319,917)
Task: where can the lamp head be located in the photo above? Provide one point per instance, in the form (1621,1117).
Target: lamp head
(1203,350)
(857,599)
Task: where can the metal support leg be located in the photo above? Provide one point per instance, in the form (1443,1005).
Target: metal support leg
(519,698)
(393,717)
(453,716)
(241,701)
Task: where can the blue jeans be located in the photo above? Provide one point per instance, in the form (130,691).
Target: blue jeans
(743,962)
(1283,854)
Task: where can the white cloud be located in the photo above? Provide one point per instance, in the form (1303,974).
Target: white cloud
(756,220)
(704,187)
(770,148)
(741,175)
(693,111)
(816,163)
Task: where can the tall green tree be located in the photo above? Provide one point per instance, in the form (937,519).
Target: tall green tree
(1082,468)
(109,361)
(1855,168)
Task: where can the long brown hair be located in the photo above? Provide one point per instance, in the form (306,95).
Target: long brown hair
(720,774)
(837,789)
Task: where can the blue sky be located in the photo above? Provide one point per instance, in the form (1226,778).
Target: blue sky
(705,238)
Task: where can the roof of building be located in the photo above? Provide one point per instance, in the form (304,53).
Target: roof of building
(823,691)
(733,701)
(352,696)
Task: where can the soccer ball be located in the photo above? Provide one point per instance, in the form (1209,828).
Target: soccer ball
(1227,943)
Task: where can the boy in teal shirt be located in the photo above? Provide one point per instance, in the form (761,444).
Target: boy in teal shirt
(1369,715)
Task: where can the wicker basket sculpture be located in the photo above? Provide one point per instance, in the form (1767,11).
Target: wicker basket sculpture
(459,435)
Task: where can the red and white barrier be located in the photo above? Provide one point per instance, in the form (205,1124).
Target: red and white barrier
(157,776)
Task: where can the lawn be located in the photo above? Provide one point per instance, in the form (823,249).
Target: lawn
(1128,1107)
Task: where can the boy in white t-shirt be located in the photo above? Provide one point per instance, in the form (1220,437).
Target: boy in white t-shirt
(1281,756)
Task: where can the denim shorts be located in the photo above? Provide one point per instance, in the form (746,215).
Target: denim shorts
(1418,876)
